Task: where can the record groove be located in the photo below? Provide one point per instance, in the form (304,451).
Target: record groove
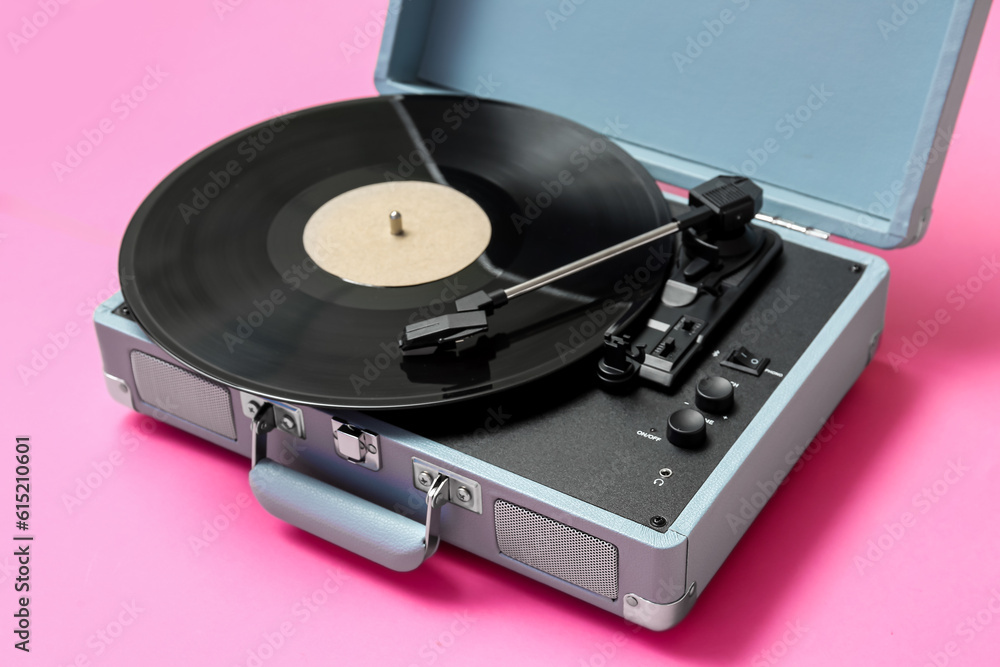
(218,276)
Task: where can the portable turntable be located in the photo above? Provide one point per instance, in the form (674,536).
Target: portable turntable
(465,311)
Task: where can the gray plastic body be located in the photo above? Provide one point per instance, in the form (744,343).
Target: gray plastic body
(659,574)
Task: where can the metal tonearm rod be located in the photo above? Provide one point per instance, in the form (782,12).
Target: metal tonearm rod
(721,207)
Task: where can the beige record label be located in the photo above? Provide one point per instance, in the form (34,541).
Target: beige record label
(397,233)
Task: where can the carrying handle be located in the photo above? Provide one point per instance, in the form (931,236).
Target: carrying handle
(341,518)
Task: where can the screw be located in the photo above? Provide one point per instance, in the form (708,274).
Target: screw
(463,494)
(372,449)
(287,423)
(123,387)
(424,478)
(856,268)
(253,407)
(630,599)
(658,521)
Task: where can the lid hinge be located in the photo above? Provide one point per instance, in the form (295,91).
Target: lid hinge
(788,224)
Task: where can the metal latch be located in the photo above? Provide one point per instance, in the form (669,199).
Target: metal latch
(357,445)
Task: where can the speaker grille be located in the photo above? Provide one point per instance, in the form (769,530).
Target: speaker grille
(557,549)
(183,394)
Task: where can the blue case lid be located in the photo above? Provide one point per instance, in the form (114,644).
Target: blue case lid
(841,111)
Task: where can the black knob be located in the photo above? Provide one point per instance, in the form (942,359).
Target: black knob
(686,428)
(715,395)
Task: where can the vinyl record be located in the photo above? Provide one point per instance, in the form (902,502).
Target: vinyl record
(214,264)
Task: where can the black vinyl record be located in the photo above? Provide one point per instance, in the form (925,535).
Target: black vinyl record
(214,268)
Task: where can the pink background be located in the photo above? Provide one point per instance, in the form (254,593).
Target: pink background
(898,432)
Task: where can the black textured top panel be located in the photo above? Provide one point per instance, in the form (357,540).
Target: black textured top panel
(567,433)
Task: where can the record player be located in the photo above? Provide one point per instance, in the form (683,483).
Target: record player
(465,311)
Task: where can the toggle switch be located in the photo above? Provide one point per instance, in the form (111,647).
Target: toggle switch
(744,360)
